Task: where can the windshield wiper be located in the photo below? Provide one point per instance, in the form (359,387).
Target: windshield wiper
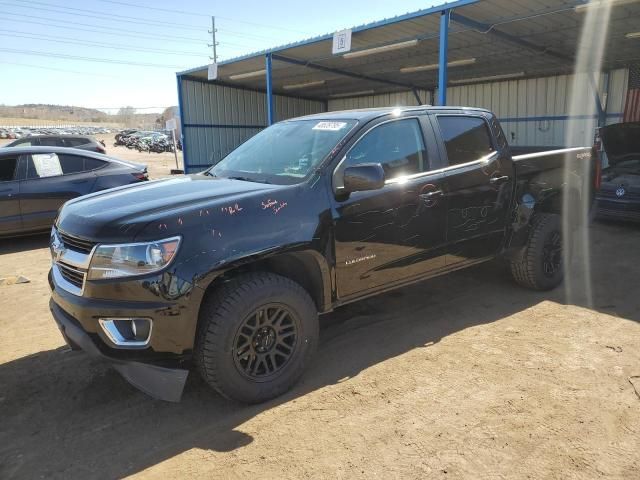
(247,179)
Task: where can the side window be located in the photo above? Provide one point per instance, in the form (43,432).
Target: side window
(50,142)
(397,145)
(43,165)
(71,163)
(92,163)
(75,142)
(8,169)
(24,142)
(466,138)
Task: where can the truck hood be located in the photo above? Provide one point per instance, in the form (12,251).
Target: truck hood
(621,141)
(120,213)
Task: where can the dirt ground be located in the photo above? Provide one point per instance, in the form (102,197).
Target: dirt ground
(462,376)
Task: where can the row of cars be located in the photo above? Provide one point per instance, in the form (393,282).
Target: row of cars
(13,133)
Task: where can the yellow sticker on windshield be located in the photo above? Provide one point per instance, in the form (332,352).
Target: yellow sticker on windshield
(330,126)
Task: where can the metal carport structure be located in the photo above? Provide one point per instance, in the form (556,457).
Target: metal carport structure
(464,42)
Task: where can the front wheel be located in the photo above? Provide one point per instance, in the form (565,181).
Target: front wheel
(256,335)
(541,267)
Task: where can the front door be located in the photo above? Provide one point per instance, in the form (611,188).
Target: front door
(395,233)
(51,180)
(480,178)
(10,219)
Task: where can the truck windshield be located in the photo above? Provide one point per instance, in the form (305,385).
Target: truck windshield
(284,153)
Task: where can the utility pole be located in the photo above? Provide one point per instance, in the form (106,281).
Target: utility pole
(213,37)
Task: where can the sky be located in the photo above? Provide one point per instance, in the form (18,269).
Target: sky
(110,53)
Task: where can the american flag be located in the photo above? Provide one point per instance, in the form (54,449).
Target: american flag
(632,105)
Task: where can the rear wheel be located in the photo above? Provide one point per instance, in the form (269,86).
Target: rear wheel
(257,334)
(541,267)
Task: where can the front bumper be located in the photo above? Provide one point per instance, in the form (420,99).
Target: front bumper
(154,371)
(159,382)
(618,209)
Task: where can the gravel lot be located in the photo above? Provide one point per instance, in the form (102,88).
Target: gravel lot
(463,376)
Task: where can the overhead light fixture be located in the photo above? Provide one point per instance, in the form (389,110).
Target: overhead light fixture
(435,66)
(505,76)
(303,85)
(240,76)
(352,94)
(381,49)
(601,4)
(633,35)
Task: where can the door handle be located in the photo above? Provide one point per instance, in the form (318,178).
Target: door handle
(499,180)
(75,182)
(429,196)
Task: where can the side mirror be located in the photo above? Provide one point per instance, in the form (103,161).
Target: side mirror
(366,176)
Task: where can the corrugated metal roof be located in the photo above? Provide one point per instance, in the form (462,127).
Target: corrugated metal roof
(535,37)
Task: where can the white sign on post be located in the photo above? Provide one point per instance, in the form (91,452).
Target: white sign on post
(341,41)
(171,124)
(212,71)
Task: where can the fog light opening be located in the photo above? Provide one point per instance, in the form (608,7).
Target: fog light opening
(127,332)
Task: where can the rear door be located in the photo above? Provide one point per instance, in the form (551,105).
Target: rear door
(389,235)
(51,180)
(480,180)
(10,219)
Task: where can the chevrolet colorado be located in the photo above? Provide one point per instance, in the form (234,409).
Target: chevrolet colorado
(229,269)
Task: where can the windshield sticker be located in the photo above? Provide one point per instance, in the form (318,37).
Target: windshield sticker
(47,164)
(330,126)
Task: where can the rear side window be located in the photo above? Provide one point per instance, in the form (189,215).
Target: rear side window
(71,163)
(8,169)
(52,164)
(92,163)
(397,145)
(76,142)
(466,138)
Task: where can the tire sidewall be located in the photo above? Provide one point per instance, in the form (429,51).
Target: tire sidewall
(234,383)
(545,230)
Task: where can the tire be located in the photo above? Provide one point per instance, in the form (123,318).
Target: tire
(541,267)
(243,353)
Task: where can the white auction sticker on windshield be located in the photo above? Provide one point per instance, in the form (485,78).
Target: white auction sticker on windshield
(330,126)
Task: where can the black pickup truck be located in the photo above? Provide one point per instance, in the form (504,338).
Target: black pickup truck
(228,270)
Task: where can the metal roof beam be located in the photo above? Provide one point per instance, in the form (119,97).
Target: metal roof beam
(337,71)
(507,37)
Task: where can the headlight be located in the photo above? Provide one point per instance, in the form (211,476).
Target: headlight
(128,259)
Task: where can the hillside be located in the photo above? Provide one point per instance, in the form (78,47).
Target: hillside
(54,112)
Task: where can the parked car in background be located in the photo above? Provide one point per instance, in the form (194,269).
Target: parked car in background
(36,181)
(619,196)
(83,142)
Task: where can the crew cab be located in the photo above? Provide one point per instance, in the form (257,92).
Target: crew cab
(228,270)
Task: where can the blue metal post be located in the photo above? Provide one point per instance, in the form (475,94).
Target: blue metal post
(270,109)
(442,68)
(183,133)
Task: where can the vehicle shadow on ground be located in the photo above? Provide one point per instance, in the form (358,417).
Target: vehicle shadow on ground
(24,244)
(65,416)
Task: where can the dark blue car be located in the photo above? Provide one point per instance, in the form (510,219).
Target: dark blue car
(36,181)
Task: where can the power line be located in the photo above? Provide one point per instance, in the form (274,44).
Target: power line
(67,23)
(102,16)
(60,69)
(119,46)
(153,23)
(194,14)
(88,59)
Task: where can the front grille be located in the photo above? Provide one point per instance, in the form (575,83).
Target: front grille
(76,243)
(72,275)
